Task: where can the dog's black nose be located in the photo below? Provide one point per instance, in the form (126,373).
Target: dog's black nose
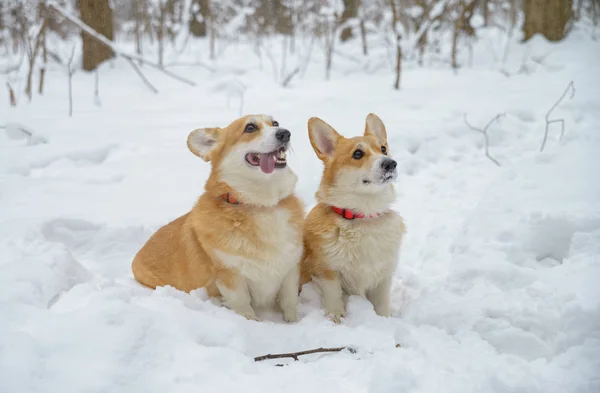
(389,165)
(283,135)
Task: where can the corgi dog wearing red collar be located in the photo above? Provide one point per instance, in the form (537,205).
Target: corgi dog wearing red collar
(351,237)
(242,241)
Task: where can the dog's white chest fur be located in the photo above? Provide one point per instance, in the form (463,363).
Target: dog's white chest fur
(365,251)
(264,275)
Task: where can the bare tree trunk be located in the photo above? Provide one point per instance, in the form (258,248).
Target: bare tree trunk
(44,63)
(462,25)
(33,53)
(11,95)
(547,17)
(212,31)
(398,34)
(137,4)
(98,15)
(453,56)
(398,62)
(198,17)
(350,12)
(160,32)
(97,89)
(70,72)
(485,10)
(363,36)
(514,13)
(330,36)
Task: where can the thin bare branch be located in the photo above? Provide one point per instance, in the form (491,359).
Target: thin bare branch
(97,88)
(437,9)
(190,64)
(485,134)
(70,72)
(570,87)
(286,81)
(142,76)
(294,355)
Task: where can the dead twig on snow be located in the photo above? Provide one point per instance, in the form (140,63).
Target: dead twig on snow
(570,86)
(294,355)
(485,134)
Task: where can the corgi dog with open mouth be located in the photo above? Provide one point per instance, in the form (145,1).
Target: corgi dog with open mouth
(351,237)
(242,240)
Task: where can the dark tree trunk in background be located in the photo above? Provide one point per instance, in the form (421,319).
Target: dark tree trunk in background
(485,10)
(273,15)
(98,15)
(198,17)
(350,12)
(547,17)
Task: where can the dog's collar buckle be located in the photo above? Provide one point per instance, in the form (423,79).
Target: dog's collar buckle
(350,214)
(229,198)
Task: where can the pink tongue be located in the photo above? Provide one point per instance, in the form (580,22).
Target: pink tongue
(267,163)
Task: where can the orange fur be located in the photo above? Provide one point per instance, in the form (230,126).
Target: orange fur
(183,253)
(338,253)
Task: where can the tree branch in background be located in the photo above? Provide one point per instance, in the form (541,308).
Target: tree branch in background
(11,95)
(437,10)
(294,355)
(398,34)
(70,72)
(97,88)
(286,81)
(142,76)
(130,57)
(571,87)
(190,64)
(485,134)
(42,80)
(33,52)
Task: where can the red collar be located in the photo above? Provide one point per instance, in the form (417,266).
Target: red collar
(350,214)
(229,198)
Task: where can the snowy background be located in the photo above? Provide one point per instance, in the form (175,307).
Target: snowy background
(498,285)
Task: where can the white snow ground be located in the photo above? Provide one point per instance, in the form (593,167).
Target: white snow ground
(498,284)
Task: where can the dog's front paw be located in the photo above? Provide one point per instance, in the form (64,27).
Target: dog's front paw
(290,315)
(383,312)
(336,317)
(248,314)
(251,316)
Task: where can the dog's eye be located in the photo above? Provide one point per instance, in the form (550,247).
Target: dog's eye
(358,154)
(384,150)
(275,123)
(250,128)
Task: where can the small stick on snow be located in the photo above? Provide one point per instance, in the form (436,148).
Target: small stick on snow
(294,355)
(570,86)
(485,134)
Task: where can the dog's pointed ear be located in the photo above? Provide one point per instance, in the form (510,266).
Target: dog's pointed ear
(323,137)
(201,141)
(374,126)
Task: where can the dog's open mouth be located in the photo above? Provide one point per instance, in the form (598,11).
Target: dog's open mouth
(268,161)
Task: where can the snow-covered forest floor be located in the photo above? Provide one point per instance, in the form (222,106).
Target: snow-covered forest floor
(497,286)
